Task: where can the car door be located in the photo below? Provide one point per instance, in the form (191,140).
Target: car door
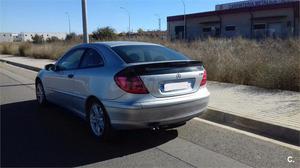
(60,82)
(89,69)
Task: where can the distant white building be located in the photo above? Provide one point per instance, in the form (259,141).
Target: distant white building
(8,37)
(27,36)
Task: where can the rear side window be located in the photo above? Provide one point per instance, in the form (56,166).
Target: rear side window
(71,60)
(91,58)
(147,53)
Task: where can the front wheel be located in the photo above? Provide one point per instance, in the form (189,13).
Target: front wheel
(98,120)
(40,94)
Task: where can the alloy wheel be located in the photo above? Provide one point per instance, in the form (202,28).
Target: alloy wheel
(39,93)
(97,120)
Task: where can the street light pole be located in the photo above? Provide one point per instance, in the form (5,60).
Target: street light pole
(128,20)
(69,22)
(159,21)
(84,22)
(184,20)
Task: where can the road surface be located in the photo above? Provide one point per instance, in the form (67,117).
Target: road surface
(33,136)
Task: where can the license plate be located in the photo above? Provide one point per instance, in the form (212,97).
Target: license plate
(177,86)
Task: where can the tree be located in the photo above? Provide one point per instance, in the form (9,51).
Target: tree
(37,39)
(71,36)
(140,31)
(52,39)
(104,33)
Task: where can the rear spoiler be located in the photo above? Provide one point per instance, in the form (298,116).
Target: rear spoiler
(154,68)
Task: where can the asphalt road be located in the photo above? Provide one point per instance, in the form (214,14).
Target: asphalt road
(33,136)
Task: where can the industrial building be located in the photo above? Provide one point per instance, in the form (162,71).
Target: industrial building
(27,36)
(248,19)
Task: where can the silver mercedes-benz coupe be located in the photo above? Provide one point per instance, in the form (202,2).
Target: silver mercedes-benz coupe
(125,85)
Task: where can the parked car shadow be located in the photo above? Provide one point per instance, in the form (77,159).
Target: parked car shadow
(35,137)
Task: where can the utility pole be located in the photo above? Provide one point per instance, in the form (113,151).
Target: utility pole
(184,20)
(69,22)
(84,22)
(128,20)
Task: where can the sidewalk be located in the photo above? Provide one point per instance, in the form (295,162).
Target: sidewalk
(26,62)
(276,107)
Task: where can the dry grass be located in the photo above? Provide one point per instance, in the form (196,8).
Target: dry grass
(273,64)
(47,50)
(9,48)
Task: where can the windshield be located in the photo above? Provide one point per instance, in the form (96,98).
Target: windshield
(147,53)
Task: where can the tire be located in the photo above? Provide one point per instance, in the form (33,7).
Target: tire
(40,93)
(98,121)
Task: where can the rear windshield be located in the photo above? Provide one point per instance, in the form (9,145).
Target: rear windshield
(147,53)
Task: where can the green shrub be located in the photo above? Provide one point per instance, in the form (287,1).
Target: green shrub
(105,33)
(52,39)
(37,39)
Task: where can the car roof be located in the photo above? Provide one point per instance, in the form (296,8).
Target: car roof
(123,43)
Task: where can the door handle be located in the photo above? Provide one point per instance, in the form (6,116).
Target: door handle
(70,76)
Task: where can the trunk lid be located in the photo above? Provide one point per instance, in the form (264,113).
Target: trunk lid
(173,78)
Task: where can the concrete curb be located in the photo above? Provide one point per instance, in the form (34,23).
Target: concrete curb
(277,132)
(21,65)
(280,133)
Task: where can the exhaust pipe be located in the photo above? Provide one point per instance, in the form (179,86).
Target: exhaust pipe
(155,128)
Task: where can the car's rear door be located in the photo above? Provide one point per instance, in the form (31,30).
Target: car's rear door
(90,69)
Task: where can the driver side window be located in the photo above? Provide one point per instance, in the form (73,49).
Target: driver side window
(71,60)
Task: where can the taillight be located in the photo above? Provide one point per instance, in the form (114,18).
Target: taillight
(204,78)
(131,84)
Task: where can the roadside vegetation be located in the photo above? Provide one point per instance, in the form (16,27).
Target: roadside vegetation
(270,63)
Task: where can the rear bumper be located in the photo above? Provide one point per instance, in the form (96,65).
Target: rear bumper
(158,113)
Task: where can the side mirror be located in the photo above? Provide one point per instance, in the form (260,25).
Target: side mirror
(50,67)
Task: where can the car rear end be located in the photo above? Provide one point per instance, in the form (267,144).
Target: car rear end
(157,93)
